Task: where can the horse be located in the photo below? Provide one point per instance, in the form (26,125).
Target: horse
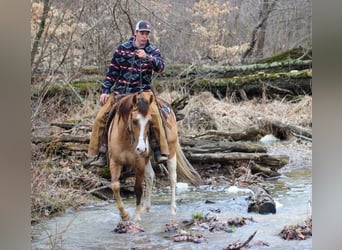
(129,145)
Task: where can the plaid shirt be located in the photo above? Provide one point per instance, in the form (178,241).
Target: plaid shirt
(128,72)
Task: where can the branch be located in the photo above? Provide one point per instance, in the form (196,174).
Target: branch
(99,188)
(126,11)
(248,240)
(238,245)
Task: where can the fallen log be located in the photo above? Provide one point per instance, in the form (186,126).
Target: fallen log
(223,157)
(262,201)
(274,161)
(62,138)
(254,80)
(70,125)
(261,84)
(266,172)
(186,71)
(71,147)
(252,133)
(208,146)
(64,125)
(284,130)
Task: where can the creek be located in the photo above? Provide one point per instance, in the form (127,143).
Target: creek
(91,227)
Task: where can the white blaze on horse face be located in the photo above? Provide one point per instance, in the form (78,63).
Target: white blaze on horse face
(142,145)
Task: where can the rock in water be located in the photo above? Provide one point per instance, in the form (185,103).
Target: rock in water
(128,227)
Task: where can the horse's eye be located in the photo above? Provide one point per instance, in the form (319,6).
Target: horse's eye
(135,122)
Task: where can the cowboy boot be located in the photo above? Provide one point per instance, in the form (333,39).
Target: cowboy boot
(102,157)
(158,157)
(86,163)
(100,162)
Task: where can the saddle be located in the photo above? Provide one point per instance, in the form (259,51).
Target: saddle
(163,105)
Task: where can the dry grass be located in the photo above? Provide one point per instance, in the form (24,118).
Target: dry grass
(205,112)
(57,184)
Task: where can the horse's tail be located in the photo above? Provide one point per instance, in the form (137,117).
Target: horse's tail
(184,168)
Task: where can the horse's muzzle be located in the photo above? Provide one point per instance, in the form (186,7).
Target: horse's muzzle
(141,148)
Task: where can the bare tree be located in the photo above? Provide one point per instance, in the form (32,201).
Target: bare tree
(259,32)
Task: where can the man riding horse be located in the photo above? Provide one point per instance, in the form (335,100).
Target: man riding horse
(131,70)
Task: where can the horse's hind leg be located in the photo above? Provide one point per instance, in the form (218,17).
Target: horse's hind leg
(149,178)
(115,185)
(171,165)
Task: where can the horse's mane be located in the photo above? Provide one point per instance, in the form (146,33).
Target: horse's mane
(127,103)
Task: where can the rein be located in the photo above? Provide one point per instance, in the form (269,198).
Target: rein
(130,125)
(159,110)
(129,130)
(130,76)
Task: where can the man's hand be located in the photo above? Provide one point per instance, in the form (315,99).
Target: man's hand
(103,98)
(141,54)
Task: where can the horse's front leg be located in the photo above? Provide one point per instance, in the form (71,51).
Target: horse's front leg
(138,190)
(115,171)
(171,165)
(149,178)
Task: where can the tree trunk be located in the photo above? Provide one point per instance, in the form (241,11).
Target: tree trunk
(207,146)
(283,65)
(262,32)
(39,34)
(250,134)
(285,131)
(274,161)
(264,14)
(63,139)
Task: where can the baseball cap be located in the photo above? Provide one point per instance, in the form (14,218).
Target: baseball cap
(143,25)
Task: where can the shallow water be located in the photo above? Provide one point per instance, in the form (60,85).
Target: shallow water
(92,227)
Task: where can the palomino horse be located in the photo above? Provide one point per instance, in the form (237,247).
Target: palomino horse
(128,145)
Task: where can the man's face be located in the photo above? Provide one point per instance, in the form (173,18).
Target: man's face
(142,37)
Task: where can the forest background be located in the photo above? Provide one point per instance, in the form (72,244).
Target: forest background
(68,35)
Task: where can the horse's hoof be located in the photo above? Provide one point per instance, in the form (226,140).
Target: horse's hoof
(146,210)
(125,217)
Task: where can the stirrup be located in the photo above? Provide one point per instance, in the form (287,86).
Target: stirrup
(158,157)
(100,162)
(87,163)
